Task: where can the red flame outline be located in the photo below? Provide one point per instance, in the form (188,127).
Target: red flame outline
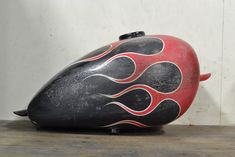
(132,122)
(156,99)
(112,47)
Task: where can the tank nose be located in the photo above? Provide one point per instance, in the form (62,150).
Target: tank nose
(46,111)
(39,110)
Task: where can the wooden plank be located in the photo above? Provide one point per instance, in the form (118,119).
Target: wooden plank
(21,139)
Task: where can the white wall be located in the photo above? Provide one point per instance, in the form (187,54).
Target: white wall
(39,38)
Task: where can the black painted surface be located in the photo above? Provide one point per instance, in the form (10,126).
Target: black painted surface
(164,77)
(144,45)
(96,52)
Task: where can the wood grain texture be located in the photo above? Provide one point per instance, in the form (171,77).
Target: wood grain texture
(22,139)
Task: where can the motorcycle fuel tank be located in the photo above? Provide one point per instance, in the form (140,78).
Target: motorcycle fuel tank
(139,81)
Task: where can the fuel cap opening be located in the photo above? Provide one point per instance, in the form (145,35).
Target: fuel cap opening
(132,35)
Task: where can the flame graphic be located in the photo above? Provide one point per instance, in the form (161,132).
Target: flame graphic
(156,99)
(139,66)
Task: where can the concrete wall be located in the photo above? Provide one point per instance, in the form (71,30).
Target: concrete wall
(39,38)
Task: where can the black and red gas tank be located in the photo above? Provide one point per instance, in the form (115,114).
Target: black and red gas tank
(140,81)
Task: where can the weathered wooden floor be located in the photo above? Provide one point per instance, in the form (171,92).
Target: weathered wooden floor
(21,139)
